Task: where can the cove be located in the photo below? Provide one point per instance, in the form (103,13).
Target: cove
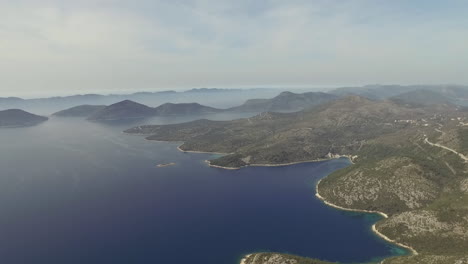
(73,191)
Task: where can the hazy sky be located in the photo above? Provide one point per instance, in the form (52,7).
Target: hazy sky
(71,46)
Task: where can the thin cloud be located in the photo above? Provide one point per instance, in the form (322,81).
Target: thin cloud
(111,44)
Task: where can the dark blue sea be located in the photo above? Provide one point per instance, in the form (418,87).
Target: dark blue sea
(73,191)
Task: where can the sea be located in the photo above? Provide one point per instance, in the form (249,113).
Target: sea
(75,191)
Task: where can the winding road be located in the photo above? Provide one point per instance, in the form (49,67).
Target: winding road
(446,148)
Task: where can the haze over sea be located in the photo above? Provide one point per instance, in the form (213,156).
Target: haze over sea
(96,196)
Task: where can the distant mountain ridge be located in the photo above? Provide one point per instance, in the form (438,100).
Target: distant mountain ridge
(422,97)
(379,92)
(214,97)
(19,118)
(284,102)
(227,98)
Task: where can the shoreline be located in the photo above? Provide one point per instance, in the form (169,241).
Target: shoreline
(374,226)
(332,157)
(244,259)
(320,197)
(200,152)
(269,165)
(221,167)
(317,194)
(265,165)
(290,163)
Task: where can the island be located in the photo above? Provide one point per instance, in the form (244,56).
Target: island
(165,165)
(409,160)
(128,109)
(19,118)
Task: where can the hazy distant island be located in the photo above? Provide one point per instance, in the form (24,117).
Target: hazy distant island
(123,110)
(80,111)
(236,100)
(410,156)
(128,109)
(214,97)
(19,118)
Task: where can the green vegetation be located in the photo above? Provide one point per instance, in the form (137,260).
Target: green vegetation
(285,102)
(421,98)
(463,135)
(275,258)
(406,164)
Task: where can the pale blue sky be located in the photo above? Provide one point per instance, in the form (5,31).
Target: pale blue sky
(68,46)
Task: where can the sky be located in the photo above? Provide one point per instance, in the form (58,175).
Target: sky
(69,46)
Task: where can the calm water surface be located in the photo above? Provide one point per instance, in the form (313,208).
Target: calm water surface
(73,191)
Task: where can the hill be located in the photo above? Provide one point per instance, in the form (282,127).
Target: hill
(80,111)
(123,110)
(410,163)
(185,109)
(421,98)
(285,102)
(19,118)
(374,92)
(455,93)
(270,138)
